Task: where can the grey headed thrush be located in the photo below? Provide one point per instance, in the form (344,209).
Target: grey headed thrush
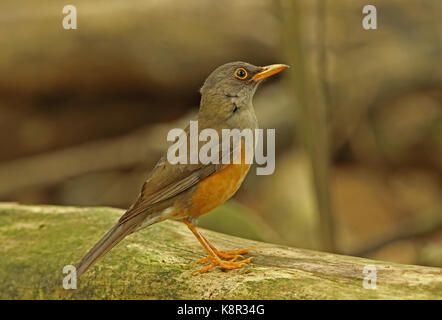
(187,191)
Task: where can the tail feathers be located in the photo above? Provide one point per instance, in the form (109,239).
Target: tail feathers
(114,236)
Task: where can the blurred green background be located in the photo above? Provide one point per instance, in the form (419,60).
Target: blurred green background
(84,113)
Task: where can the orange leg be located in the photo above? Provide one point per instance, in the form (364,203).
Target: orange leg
(215,255)
(232,255)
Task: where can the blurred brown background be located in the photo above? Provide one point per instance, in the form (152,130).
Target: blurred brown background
(84,113)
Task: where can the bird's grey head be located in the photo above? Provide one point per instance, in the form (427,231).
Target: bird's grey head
(229,89)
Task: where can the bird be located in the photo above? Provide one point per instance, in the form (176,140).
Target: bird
(183,191)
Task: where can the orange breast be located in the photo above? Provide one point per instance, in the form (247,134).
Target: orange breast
(216,189)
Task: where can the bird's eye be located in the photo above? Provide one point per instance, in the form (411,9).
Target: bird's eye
(241,73)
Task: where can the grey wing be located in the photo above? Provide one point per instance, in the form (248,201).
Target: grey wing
(172,180)
(167,180)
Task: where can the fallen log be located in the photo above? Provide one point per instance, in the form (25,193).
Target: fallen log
(157,263)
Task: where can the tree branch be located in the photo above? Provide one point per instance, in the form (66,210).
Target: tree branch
(157,263)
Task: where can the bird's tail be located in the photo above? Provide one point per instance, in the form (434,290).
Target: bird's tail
(110,239)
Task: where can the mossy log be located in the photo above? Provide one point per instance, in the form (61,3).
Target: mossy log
(157,263)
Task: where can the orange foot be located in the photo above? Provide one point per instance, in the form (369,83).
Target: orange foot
(215,254)
(228,265)
(232,255)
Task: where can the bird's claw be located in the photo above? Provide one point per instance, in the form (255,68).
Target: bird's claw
(228,265)
(231,255)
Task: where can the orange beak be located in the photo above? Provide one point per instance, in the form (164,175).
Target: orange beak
(269,71)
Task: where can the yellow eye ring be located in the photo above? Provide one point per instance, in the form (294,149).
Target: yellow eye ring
(241,73)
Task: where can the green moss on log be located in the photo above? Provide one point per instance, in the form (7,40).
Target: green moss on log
(157,263)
